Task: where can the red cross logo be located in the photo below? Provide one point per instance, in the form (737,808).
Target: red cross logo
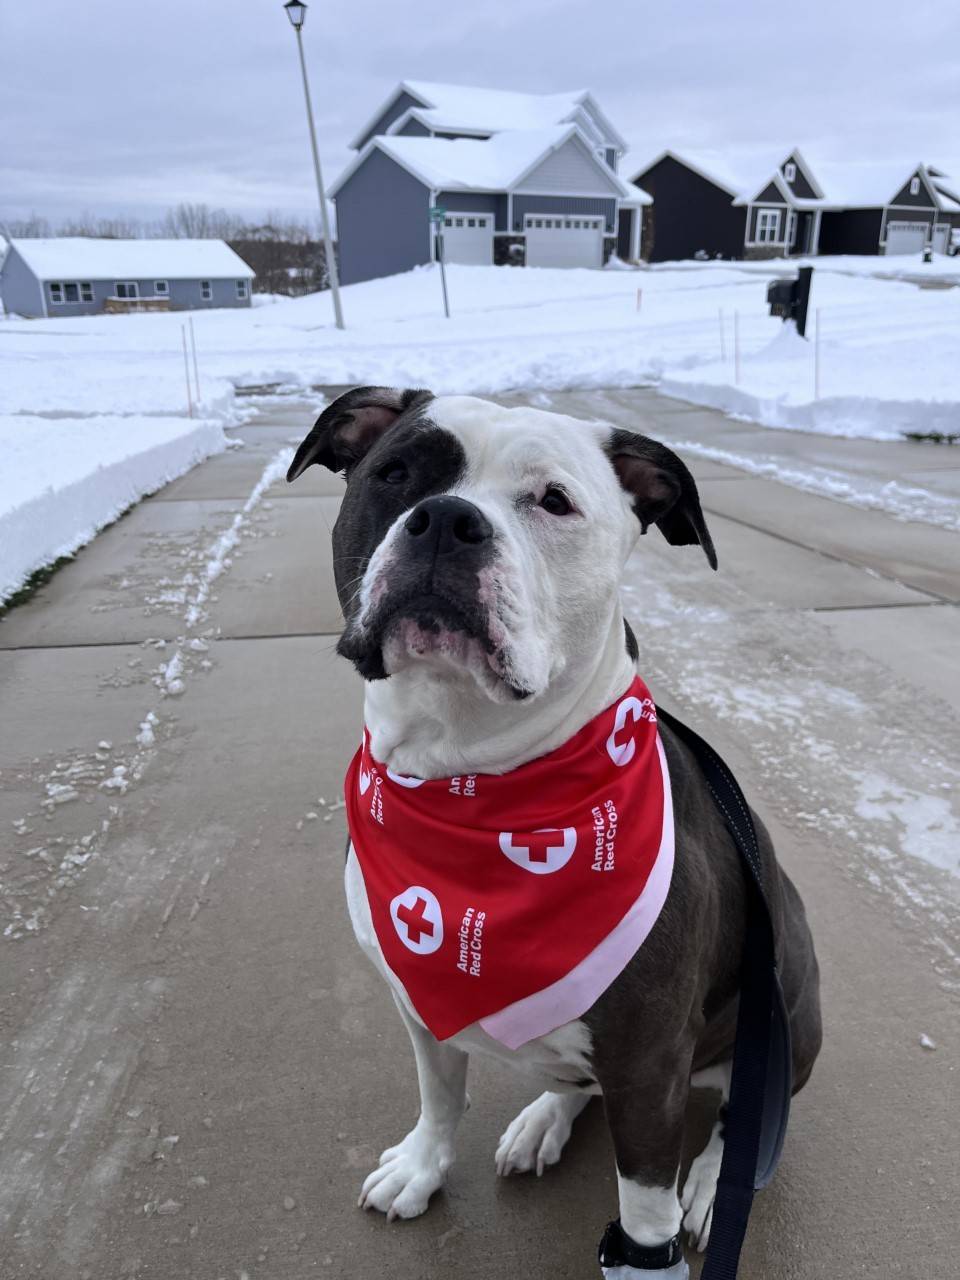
(621,753)
(415,920)
(541,852)
(418,920)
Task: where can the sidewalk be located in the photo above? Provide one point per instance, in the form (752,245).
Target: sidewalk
(198,1066)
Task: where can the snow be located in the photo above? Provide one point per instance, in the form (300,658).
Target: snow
(83,258)
(101,399)
(469,107)
(64,479)
(472,164)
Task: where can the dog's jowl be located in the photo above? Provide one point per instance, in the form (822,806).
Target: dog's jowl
(512,772)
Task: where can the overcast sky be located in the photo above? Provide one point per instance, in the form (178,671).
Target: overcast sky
(128,108)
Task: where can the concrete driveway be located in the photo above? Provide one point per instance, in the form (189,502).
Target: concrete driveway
(197,1066)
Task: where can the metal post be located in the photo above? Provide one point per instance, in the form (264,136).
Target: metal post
(186,369)
(816,354)
(332,273)
(723,340)
(736,348)
(196,371)
(443,272)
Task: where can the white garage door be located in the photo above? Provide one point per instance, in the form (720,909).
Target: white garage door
(906,237)
(554,241)
(468,238)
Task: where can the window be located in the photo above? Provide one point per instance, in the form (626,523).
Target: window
(206,290)
(459,222)
(126,289)
(448,222)
(790,171)
(161,288)
(71,293)
(768,226)
(914,186)
(241,289)
(471,222)
(56,292)
(86,292)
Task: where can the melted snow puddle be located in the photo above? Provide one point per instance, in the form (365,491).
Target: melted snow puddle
(52,863)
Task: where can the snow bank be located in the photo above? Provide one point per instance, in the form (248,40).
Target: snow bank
(62,480)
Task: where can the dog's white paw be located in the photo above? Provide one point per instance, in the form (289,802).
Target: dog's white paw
(700,1189)
(538,1135)
(407,1176)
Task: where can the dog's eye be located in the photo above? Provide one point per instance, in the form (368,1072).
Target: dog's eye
(556,502)
(393,473)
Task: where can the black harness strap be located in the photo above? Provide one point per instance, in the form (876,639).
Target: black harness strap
(761,1083)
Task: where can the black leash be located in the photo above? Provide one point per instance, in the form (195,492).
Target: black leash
(761,1083)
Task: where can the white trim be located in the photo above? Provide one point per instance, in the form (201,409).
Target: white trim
(206,290)
(127,284)
(668,154)
(915,185)
(58,286)
(789,171)
(354,142)
(636,214)
(766,214)
(161,293)
(242,290)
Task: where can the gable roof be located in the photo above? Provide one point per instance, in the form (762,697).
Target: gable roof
(80,257)
(456,106)
(498,163)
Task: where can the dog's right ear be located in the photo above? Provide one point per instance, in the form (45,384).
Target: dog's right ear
(351,426)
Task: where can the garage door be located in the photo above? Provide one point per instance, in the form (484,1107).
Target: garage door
(468,238)
(554,241)
(906,237)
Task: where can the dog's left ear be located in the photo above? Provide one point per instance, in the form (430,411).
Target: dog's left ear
(350,426)
(664,491)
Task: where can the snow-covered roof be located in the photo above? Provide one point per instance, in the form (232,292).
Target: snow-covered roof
(734,174)
(80,257)
(498,163)
(457,106)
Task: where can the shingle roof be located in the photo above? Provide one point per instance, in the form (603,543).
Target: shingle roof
(78,257)
(494,164)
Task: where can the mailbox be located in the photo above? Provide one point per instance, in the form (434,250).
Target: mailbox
(789,299)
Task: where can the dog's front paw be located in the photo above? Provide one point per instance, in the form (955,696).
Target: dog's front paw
(539,1133)
(699,1191)
(407,1176)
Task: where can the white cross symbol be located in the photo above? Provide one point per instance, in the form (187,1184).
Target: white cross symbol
(542,851)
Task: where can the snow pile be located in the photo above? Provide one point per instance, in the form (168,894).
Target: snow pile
(62,480)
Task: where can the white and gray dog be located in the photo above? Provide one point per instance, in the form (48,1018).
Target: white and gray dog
(478,555)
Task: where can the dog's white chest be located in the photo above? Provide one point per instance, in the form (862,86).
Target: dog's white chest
(558,1061)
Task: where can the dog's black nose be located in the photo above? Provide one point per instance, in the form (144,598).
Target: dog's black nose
(445,525)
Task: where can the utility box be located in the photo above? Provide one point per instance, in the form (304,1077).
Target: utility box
(789,299)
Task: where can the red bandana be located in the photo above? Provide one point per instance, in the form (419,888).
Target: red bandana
(515,901)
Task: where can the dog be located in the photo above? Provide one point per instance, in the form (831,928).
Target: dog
(478,554)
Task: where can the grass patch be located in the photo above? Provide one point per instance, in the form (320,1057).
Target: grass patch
(39,578)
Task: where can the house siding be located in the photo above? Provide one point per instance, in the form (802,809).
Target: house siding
(19,287)
(921,200)
(624,227)
(477,202)
(688,214)
(770,195)
(851,231)
(401,103)
(800,186)
(568,170)
(382,220)
(413,129)
(524,204)
(183,295)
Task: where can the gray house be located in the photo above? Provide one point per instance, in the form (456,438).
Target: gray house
(522,178)
(75,276)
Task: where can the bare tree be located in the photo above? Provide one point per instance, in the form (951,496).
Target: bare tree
(32,228)
(198,222)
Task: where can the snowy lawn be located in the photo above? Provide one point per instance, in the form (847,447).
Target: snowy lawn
(63,480)
(889,364)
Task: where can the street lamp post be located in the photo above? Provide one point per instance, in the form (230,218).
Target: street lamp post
(296,13)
